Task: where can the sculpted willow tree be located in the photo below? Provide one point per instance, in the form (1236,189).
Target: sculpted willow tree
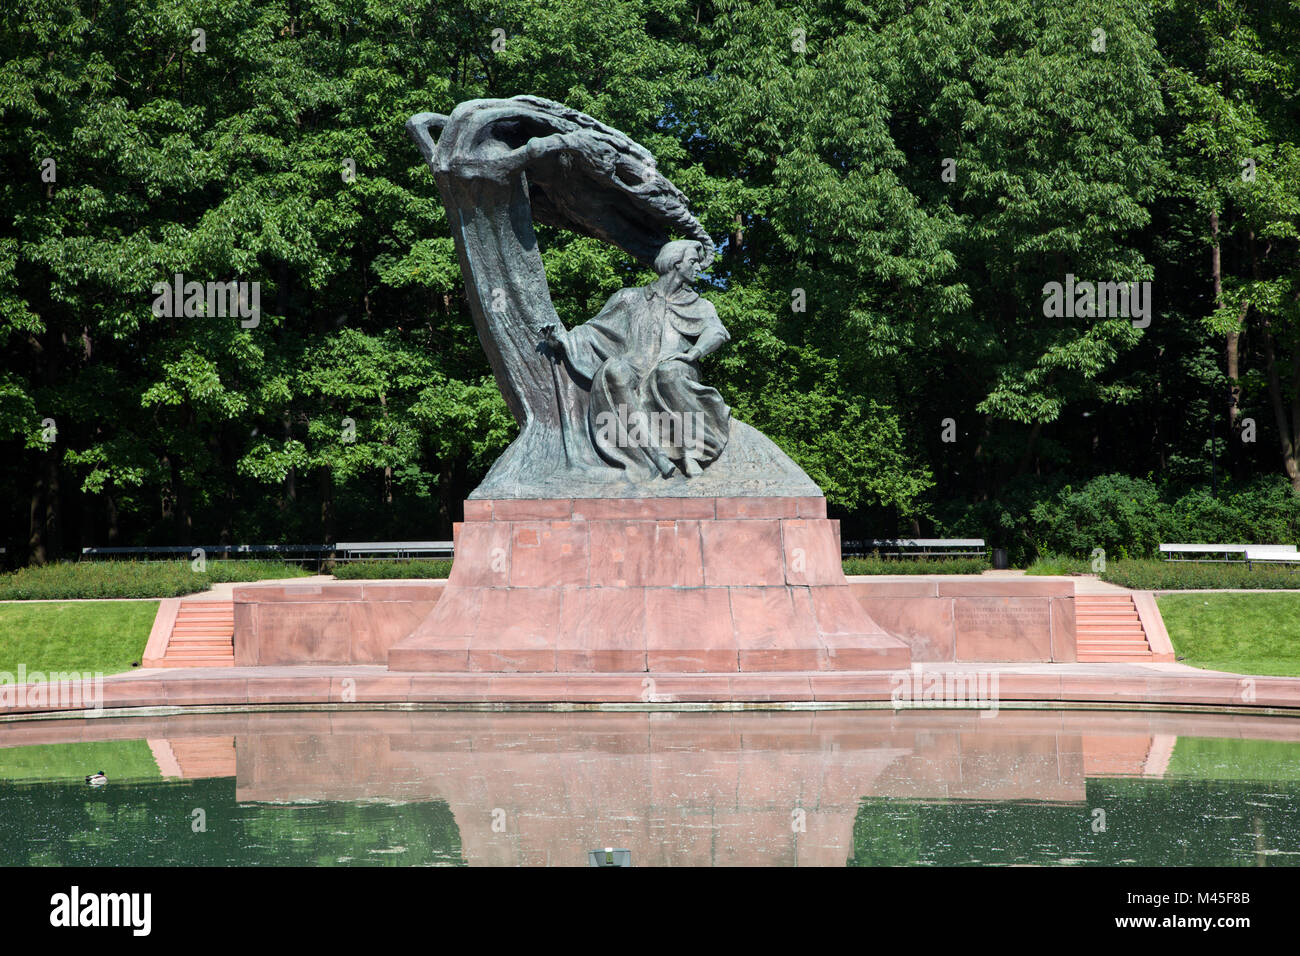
(615,407)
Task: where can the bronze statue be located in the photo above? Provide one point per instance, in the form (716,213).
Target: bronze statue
(640,360)
(614,407)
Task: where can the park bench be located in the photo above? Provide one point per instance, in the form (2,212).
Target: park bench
(915,547)
(343,551)
(290,552)
(1167,551)
(381,550)
(1270,555)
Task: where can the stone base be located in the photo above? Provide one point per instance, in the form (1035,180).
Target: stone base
(717,585)
(963,618)
(336,622)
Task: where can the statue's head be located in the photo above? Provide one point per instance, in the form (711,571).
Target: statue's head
(684,255)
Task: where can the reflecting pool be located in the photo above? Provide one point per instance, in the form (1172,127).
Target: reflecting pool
(829,788)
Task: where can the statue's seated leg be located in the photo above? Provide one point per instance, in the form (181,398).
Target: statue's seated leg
(620,378)
(694,421)
(619,423)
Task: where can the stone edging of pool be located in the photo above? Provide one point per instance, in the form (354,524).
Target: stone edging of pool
(928,687)
(682,707)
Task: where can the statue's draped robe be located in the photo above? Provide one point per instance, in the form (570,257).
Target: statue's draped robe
(659,411)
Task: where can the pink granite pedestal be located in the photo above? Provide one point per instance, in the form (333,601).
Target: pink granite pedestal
(675,585)
(969,618)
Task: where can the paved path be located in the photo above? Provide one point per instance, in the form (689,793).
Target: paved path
(1114,686)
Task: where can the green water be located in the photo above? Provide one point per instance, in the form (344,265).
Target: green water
(1174,822)
(1221,802)
(154,824)
(766,789)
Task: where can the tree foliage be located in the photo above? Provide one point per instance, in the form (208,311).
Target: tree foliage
(892,185)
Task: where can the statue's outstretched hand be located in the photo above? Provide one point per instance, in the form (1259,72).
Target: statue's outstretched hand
(554,337)
(690,355)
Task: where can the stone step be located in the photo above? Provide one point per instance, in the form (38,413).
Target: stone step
(1114,657)
(203,635)
(1109,629)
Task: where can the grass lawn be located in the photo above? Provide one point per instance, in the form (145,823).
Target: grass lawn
(99,636)
(1244,633)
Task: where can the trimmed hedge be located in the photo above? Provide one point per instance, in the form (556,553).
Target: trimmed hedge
(81,580)
(365,570)
(1058,564)
(362,570)
(874,565)
(1179,575)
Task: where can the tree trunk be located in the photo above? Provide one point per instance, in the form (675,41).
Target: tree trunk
(290,494)
(1232,354)
(1156,435)
(388,469)
(1031,446)
(110,512)
(166,498)
(327,505)
(179,513)
(1285,433)
(36,550)
(228,453)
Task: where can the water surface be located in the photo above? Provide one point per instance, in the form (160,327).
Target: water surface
(863,788)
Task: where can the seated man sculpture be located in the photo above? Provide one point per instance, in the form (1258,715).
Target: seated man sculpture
(640,357)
